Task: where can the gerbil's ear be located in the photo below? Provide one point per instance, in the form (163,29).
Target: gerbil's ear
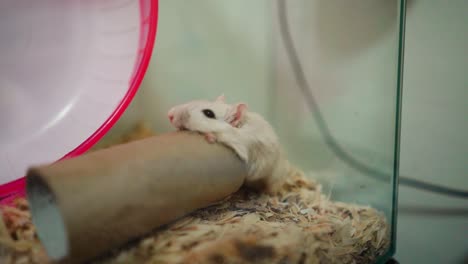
(237,114)
(221,98)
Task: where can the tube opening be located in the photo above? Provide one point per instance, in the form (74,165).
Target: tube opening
(46,216)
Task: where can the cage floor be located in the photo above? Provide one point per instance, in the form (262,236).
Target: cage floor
(301,225)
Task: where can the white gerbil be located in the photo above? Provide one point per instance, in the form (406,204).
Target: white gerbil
(247,133)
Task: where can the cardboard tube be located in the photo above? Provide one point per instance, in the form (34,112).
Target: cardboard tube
(84,206)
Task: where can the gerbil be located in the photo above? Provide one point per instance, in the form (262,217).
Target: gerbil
(247,133)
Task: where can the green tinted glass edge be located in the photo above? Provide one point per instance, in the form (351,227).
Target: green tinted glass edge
(396,158)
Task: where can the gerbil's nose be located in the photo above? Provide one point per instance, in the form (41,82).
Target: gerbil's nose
(171,117)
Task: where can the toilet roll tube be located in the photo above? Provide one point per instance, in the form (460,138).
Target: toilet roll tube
(85,206)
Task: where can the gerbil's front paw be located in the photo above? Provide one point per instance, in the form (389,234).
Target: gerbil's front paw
(210,137)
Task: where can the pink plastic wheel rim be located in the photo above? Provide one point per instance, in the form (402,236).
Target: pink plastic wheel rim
(148,14)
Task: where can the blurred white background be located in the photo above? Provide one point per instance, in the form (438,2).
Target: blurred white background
(204,48)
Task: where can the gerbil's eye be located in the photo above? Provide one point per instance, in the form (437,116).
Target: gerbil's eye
(208,113)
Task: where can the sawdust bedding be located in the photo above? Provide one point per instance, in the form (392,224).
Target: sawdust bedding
(298,226)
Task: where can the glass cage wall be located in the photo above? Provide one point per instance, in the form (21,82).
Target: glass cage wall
(349,54)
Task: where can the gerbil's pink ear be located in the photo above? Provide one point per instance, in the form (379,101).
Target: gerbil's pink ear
(238,114)
(221,98)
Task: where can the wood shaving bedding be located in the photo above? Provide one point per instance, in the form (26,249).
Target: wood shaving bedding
(300,225)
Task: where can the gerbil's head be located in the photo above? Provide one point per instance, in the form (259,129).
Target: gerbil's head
(207,116)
